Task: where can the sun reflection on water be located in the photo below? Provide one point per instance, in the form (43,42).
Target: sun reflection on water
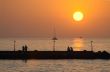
(78,44)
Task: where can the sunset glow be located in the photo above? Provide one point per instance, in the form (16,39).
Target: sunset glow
(72,18)
(78,43)
(78,16)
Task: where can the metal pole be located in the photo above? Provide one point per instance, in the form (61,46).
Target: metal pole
(54,41)
(54,37)
(91,45)
(14,45)
(54,45)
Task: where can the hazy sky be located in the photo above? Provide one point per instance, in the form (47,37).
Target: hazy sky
(35,18)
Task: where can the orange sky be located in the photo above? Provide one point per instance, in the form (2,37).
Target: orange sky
(35,18)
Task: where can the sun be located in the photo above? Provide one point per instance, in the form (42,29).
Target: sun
(78,16)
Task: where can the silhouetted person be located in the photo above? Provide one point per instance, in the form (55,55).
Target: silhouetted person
(68,48)
(25,48)
(71,49)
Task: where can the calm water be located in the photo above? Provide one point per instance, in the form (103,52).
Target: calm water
(55,65)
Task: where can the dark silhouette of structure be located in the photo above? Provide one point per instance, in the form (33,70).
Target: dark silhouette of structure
(69,54)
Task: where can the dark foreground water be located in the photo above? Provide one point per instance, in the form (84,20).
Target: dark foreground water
(55,66)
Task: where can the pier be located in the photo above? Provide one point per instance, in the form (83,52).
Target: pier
(69,54)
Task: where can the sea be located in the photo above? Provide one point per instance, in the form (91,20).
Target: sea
(46,44)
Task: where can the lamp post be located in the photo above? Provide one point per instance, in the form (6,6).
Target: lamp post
(54,41)
(54,37)
(14,45)
(91,45)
